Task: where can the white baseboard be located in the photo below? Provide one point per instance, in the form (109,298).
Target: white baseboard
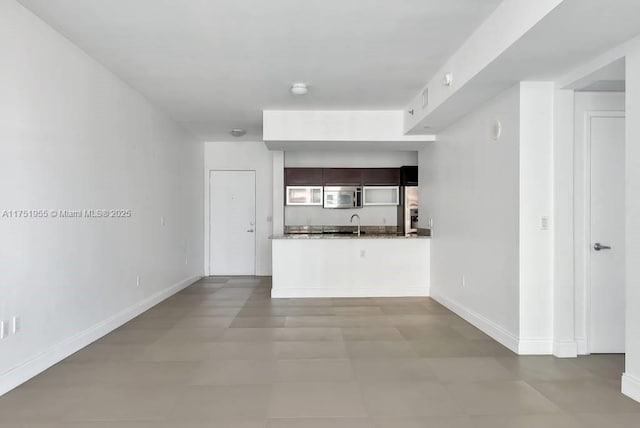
(582,346)
(489,327)
(535,346)
(631,386)
(565,349)
(390,291)
(58,352)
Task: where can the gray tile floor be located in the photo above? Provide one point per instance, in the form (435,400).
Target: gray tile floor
(223,354)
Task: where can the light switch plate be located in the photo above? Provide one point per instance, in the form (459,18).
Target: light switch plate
(4,329)
(544,223)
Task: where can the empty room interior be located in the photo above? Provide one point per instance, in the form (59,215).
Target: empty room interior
(320,213)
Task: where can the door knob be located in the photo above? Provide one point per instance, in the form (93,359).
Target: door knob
(250,230)
(598,246)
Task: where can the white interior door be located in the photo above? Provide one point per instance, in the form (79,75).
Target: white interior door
(607,265)
(232,247)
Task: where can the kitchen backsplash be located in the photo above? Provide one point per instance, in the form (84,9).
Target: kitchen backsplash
(369,216)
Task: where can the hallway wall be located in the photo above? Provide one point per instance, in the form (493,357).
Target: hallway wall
(631,378)
(630,51)
(250,156)
(492,258)
(469,186)
(535,208)
(74,137)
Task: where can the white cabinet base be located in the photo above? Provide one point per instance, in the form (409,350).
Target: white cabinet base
(351,267)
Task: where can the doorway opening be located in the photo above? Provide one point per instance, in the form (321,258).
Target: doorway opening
(599,210)
(232,232)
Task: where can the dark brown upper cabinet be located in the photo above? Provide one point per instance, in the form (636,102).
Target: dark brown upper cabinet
(409,175)
(342,176)
(405,176)
(381,176)
(303,177)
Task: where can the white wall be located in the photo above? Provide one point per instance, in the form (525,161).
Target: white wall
(369,216)
(252,156)
(536,202)
(350,159)
(278,192)
(305,128)
(469,186)
(562,227)
(73,136)
(492,261)
(631,378)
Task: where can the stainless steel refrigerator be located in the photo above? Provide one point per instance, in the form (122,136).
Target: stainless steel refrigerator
(408,210)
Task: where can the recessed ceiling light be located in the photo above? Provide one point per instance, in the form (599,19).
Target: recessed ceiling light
(299,89)
(237,132)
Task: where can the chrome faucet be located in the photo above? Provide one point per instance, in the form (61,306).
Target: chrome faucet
(358,217)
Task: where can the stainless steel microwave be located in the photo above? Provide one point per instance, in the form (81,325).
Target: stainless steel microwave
(343,197)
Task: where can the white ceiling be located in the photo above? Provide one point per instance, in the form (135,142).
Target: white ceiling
(215,65)
(574,33)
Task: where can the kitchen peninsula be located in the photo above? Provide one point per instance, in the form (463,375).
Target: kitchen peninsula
(348,265)
(365,242)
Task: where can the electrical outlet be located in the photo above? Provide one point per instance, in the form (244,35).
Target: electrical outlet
(363,254)
(137,280)
(161,220)
(15,325)
(4,329)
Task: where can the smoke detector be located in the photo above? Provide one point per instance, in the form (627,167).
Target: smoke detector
(237,132)
(299,89)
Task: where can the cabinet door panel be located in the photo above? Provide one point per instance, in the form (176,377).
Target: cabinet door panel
(381,176)
(303,176)
(303,195)
(381,195)
(342,176)
(409,175)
